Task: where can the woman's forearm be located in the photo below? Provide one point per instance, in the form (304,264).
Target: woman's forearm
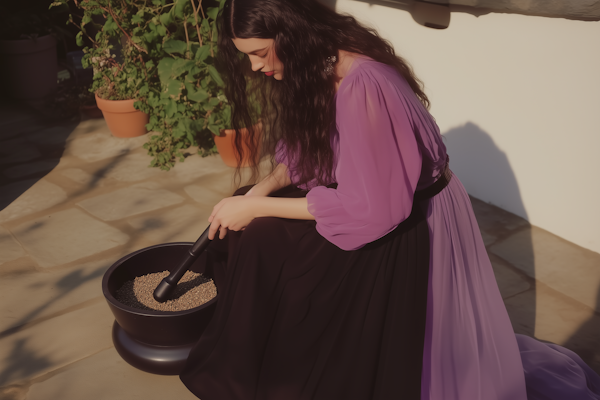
(282,208)
(274,181)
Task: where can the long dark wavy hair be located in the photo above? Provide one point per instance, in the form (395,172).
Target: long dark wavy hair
(299,110)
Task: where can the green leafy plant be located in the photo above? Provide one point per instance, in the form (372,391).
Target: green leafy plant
(190,105)
(160,52)
(122,67)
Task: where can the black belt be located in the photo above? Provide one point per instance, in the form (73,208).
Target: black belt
(442,181)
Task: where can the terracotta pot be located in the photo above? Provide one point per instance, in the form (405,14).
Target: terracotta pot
(29,68)
(122,119)
(225,145)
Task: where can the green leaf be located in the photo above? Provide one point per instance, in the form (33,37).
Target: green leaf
(214,129)
(174,88)
(166,18)
(214,102)
(164,68)
(110,26)
(179,8)
(161,30)
(152,102)
(86,19)
(202,53)
(180,66)
(195,94)
(175,46)
(179,131)
(137,19)
(215,75)
(171,108)
(79,39)
(226,113)
(205,27)
(212,12)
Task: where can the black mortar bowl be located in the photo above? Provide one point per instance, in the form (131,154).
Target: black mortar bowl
(158,342)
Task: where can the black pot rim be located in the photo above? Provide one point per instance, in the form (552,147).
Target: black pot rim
(147,313)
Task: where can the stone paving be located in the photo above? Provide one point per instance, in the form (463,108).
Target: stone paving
(74,199)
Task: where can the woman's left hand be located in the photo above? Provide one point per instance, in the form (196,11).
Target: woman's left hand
(233,213)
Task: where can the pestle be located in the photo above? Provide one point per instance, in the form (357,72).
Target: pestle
(167,286)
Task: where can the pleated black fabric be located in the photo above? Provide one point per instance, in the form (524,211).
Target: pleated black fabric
(298,318)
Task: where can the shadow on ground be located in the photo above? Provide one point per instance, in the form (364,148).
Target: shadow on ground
(31,145)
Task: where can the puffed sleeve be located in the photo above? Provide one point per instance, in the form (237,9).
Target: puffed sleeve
(378,167)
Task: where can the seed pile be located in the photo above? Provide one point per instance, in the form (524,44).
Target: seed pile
(192,291)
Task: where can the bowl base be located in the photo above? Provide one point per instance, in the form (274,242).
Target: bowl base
(160,360)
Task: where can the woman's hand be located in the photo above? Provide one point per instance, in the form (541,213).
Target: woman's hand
(233,213)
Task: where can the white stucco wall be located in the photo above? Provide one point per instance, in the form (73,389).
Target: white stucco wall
(518,101)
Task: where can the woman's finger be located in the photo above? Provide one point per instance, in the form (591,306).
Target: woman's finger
(214,227)
(222,233)
(216,209)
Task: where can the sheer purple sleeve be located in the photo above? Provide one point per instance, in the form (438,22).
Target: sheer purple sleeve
(378,166)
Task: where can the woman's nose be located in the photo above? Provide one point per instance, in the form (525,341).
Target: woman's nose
(256,63)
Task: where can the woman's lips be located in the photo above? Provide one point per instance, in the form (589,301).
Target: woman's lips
(270,73)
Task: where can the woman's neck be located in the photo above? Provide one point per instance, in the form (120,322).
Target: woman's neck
(342,67)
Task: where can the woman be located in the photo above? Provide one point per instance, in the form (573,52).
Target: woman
(356,269)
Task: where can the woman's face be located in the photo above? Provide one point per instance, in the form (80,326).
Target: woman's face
(262,55)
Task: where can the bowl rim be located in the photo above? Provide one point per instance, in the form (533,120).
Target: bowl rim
(147,313)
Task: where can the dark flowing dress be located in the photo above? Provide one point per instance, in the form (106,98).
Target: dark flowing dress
(383,296)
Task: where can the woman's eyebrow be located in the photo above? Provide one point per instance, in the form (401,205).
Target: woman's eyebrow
(257,51)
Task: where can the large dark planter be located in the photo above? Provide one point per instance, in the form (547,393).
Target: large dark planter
(28,70)
(158,342)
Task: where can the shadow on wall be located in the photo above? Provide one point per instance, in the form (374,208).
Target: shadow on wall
(486,173)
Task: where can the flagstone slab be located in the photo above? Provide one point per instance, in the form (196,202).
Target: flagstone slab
(558,319)
(56,135)
(41,196)
(182,224)
(100,143)
(66,236)
(132,168)
(11,191)
(55,343)
(509,282)
(22,170)
(196,166)
(495,222)
(562,265)
(129,201)
(105,376)
(204,195)
(10,250)
(78,175)
(29,297)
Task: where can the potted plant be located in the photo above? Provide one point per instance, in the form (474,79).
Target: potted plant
(122,68)
(28,39)
(161,53)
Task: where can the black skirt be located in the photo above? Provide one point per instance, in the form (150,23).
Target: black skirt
(298,318)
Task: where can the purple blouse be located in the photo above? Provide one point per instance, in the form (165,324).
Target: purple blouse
(387,146)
